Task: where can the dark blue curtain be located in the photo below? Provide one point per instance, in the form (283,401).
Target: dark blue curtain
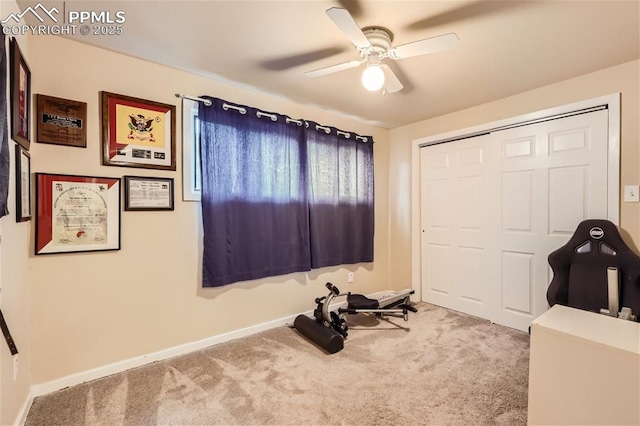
(254,195)
(280,196)
(341,211)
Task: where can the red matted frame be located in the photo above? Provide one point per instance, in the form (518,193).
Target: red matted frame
(138,133)
(20,97)
(77,213)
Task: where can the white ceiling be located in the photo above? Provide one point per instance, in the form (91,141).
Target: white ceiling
(506,47)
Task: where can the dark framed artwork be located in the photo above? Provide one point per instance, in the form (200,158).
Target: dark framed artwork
(77,213)
(61,121)
(23,184)
(148,193)
(138,133)
(20,92)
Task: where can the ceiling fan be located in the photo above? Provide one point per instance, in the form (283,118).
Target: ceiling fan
(374,45)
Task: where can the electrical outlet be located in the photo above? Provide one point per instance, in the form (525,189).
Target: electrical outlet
(350,277)
(631,193)
(15,368)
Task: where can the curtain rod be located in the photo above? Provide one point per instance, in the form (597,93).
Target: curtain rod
(207,102)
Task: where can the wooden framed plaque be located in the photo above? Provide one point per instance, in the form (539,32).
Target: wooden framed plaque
(61,121)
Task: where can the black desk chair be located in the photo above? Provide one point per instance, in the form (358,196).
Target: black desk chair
(583,267)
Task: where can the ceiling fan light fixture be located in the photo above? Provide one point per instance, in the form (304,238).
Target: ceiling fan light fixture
(373,78)
(373,44)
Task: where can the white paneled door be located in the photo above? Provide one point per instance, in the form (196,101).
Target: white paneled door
(494,207)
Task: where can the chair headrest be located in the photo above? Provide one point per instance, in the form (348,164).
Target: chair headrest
(597,235)
(580,268)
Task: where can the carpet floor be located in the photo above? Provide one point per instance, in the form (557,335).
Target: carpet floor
(439,368)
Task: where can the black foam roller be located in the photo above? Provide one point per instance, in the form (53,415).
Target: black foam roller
(325,337)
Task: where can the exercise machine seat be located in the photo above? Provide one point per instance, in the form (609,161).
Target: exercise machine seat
(580,269)
(360,301)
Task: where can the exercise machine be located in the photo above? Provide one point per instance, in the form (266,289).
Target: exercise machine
(328,328)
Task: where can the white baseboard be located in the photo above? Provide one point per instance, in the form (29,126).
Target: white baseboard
(24,410)
(127,364)
(118,367)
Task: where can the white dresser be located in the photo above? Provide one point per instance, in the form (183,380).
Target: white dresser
(584,369)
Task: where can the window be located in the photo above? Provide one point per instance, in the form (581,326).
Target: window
(340,199)
(279,195)
(191,176)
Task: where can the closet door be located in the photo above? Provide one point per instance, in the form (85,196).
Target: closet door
(458,252)
(495,206)
(553,176)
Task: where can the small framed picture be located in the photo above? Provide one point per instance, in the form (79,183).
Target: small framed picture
(77,213)
(138,133)
(23,184)
(20,86)
(148,193)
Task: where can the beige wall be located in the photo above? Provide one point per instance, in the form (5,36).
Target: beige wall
(16,288)
(88,310)
(92,309)
(74,312)
(623,78)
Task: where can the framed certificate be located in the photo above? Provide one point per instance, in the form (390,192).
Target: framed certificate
(20,97)
(138,133)
(148,193)
(77,213)
(23,185)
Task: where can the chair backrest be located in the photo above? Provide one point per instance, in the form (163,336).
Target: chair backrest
(580,269)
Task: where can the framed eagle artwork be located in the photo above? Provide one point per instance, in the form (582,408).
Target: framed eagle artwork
(138,133)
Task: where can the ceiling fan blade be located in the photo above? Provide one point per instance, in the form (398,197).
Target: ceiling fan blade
(353,6)
(391,82)
(422,47)
(462,11)
(343,19)
(333,68)
(286,62)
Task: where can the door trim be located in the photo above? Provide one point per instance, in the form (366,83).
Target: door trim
(612,102)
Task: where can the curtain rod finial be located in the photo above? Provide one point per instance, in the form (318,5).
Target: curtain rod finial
(207,102)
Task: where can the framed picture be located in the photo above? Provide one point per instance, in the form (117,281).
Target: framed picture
(77,213)
(61,121)
(148,193)
(23,185)
(138,133)
(20,89)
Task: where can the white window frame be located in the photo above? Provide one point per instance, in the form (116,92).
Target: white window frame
(191,173)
